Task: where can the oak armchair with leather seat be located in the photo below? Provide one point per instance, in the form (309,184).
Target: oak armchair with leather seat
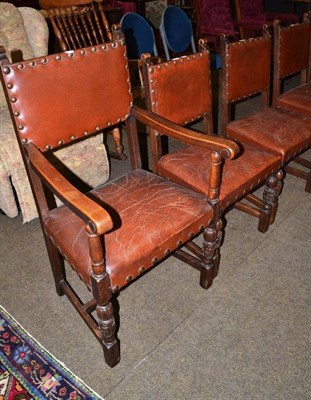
(292,57)
(246,73)
(180,90)
(113,234)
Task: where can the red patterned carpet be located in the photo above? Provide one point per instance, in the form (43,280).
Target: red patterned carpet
(28,371)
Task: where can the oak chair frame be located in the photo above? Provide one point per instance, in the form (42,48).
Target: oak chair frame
(46,181)
(228,109)
(230,98)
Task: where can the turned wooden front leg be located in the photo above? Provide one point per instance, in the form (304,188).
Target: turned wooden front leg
(106,319)
(101,289)
(270,197)
(212,239)
(219,229)
(279,187)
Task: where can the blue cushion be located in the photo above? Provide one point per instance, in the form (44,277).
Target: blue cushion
(178,29)
(138,35)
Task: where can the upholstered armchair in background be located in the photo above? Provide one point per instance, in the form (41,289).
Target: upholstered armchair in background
(255,9)
(215,19)
(25,29)
(253,12)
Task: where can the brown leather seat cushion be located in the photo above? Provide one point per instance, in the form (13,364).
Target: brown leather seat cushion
(150,215)
(284,132)
(190,166)
(297,99)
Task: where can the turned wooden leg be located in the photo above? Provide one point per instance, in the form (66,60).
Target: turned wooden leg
(211,243)
(116,134)
(219,229)
(101,289)
(57,264)
(106,321)
(269,203)
(279,187)
(107,324)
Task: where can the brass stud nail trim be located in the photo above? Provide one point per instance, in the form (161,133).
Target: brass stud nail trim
(154,260)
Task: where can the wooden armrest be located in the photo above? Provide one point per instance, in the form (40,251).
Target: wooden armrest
(226,147)
(97,218)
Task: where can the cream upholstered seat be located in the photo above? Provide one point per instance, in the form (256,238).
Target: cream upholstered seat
(25,29)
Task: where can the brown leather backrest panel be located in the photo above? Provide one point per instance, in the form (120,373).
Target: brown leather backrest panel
(180,89)
(294,48)
(247,67)
(62,97)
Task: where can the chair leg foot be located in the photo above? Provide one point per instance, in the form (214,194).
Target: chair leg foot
(206,276)
(112,354)
(216,263)
(212,241)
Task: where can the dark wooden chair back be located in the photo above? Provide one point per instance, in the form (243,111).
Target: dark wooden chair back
(55,89)
(292,54)
(80,25)
(241,76)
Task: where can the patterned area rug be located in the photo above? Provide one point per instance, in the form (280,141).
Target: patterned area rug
(28,371)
